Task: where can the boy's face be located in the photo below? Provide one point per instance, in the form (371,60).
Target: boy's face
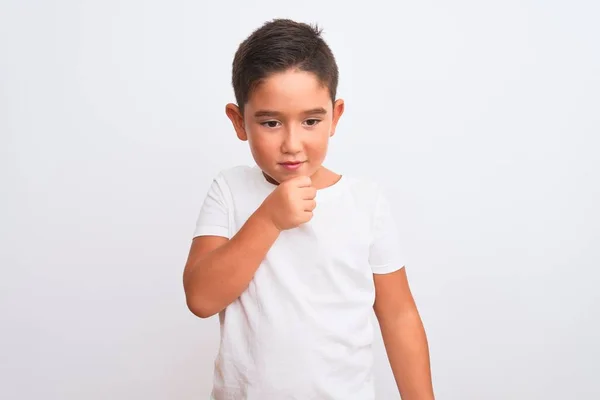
(288,121)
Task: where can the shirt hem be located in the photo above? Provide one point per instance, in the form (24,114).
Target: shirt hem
(387,268)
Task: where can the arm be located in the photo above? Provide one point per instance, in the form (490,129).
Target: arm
(403,335)
(218,270)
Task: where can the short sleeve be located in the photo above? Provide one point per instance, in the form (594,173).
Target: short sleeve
(385,254)
(213,219)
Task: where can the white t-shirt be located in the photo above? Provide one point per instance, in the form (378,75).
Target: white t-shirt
(302,329)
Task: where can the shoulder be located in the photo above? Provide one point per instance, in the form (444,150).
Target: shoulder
(235,178)
(241,183)
(235,173)
(370,199)
(366,192)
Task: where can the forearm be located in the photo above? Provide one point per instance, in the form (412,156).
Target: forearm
(407,349)
(218,278)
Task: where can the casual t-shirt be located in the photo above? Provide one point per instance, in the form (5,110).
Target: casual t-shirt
(303,329)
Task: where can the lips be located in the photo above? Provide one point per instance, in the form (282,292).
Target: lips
(291,165)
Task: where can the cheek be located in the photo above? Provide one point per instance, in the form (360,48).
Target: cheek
(318,142)
(262,144)
(324,132)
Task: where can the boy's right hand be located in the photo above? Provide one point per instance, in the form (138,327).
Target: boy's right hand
(291,203)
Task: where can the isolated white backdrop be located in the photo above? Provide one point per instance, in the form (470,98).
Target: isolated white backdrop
(481,120)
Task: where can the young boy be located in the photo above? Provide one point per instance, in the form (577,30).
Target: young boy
(293,256)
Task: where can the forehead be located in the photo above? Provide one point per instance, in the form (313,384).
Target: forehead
(290,91)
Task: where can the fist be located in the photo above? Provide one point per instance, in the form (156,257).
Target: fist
(291,203)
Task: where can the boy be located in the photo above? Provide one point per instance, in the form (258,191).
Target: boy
(293,256)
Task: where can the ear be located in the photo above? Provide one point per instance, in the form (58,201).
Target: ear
(237,119)
(338,110)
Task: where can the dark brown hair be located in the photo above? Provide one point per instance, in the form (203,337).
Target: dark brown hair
(277,46)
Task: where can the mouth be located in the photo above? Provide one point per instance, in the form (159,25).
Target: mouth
(291,165)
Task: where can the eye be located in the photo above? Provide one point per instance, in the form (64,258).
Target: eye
(270,124)
(312,122)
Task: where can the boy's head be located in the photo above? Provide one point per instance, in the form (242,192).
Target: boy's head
(285,81)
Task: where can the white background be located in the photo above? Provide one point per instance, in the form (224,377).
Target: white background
(481,120)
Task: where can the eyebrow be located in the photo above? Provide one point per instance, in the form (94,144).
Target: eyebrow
(269,113)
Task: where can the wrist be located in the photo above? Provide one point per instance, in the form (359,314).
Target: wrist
(262,217)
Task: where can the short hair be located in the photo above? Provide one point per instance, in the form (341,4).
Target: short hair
(277,46)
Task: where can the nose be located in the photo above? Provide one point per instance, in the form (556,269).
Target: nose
(291,143)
